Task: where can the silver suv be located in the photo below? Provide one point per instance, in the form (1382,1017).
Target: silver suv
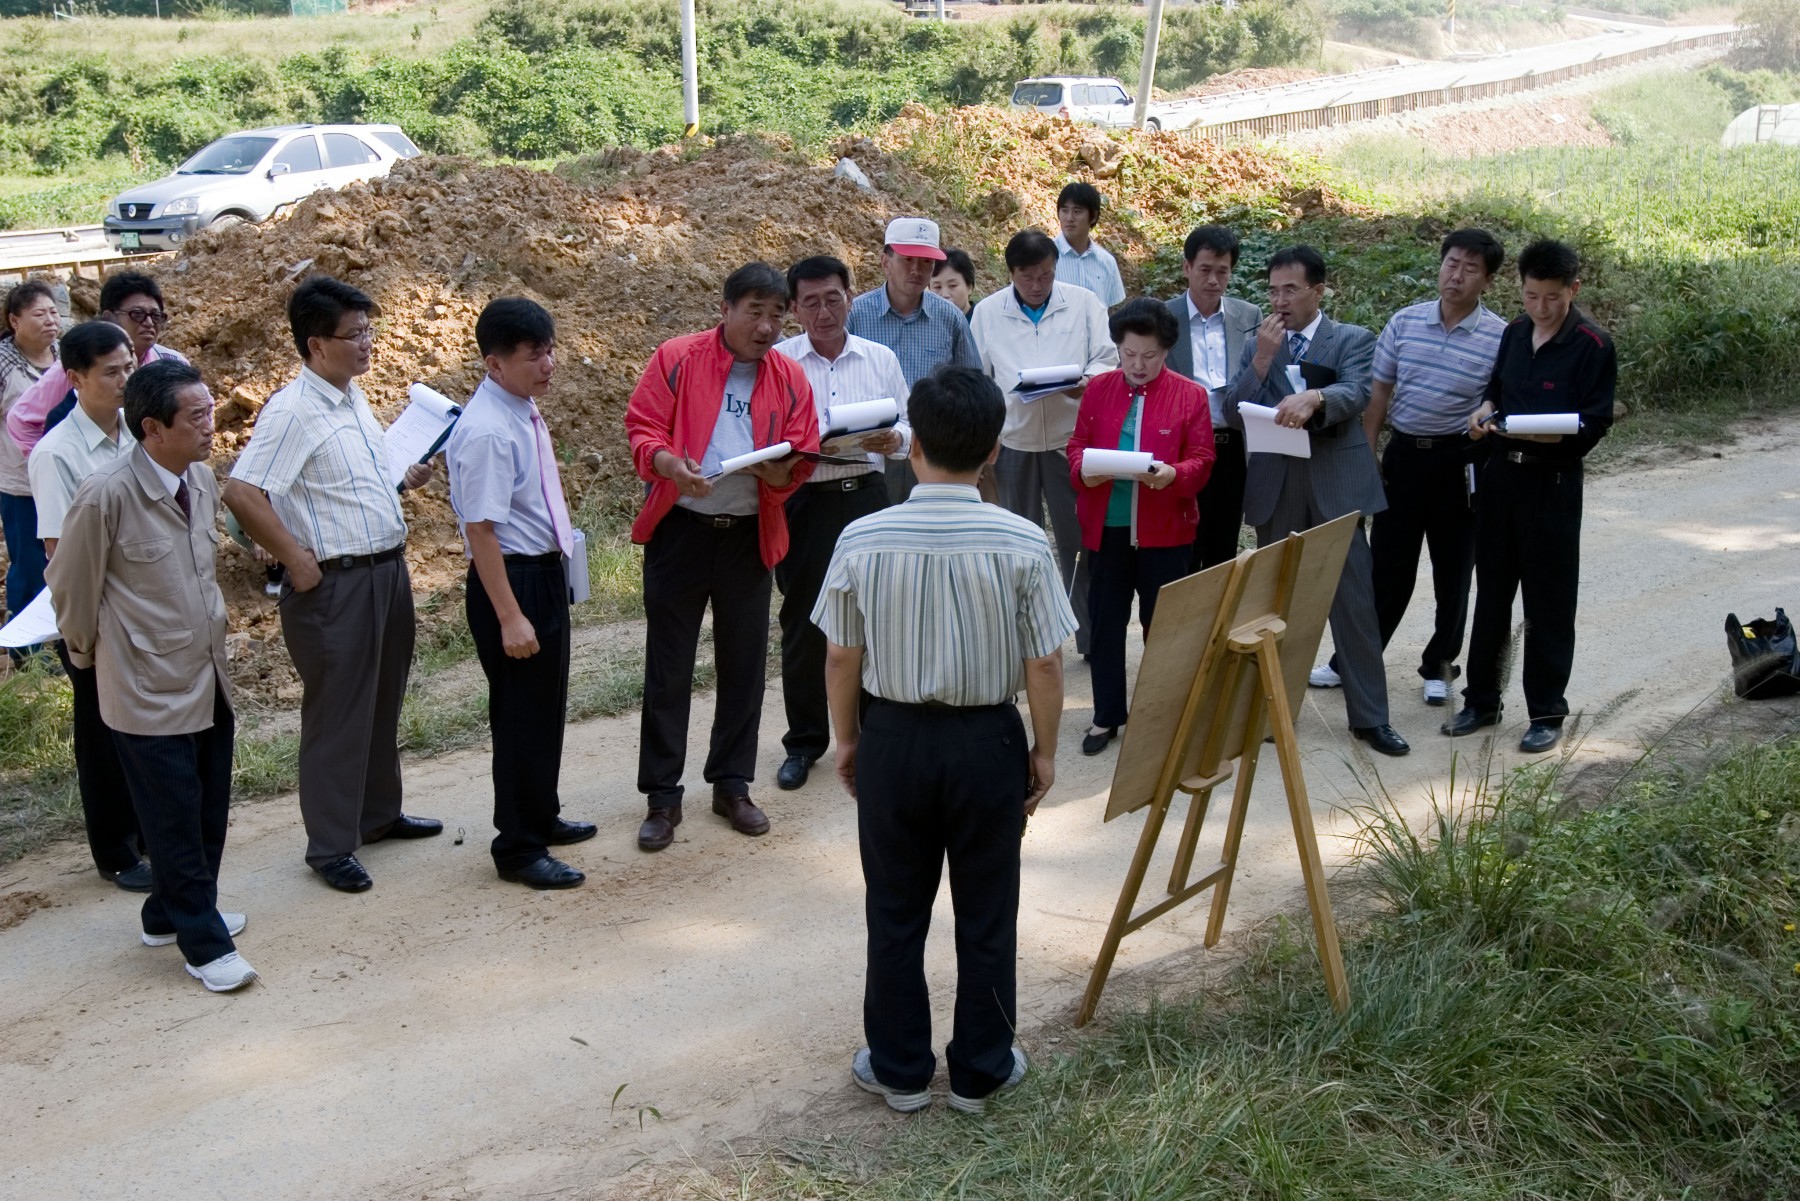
(250,176)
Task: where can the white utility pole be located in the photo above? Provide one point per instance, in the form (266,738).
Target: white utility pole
(1147,77)
(690,72)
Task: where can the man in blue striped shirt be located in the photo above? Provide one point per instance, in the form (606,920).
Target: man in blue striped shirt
(1432,365)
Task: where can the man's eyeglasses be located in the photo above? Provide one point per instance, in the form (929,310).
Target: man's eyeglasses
(155,317)
(362,337)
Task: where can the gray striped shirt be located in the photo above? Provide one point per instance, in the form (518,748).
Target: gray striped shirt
(319,455)
(948,598)
(1439,375)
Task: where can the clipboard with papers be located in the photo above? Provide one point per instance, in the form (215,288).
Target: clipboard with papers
(847,425)
(420,431)
(1035,383)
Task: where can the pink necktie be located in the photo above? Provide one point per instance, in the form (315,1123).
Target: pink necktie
(551,482)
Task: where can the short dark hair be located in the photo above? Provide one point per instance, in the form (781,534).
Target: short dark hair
(1475,241)
(1301,256)
(22,296)
(1220,239)
(1028,248)
(1550,260)
(1082,195)
(319,303)
(956,414)
(756,279)
(509,322)
(1148,318)
(154,391)
(959,262)
(84,345)
(818,267)
(121,286)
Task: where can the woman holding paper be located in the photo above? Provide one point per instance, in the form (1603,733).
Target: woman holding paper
(1142,450)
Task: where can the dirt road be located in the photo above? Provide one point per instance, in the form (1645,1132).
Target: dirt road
(447,1036)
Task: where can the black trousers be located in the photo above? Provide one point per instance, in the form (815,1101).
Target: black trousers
(688,564)
(112,826)
(1222,502)
(1429,506)
(1527,540)
(816,515)
(528,704)
(181,788)
(1117,572)
(933,784)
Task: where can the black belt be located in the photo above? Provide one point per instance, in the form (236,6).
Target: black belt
(717,521)
(1526,460)
(940,706)
(1439,441)
(849,483)
(346,562)
(1221,434)
(546,559)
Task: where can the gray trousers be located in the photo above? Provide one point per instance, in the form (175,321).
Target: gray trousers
(351,640)
(1355,631)
(1032,481)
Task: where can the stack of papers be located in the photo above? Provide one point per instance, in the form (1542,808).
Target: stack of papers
(846,425)
(1541,423)
(1116,464)
(420,431)
(780,450)
(1263,437)
(33,624)
(1035,383)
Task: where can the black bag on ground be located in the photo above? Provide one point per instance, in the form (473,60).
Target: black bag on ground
(1764,663)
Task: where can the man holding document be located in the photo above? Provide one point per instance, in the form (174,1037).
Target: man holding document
(315,488)
(850,377)
(1299,396)
(1549,402)
(718,424)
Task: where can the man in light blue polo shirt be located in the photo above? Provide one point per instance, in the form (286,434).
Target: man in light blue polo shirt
(1432,364)
(1079,259)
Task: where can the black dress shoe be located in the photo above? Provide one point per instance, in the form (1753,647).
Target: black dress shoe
(345,874)
(1468,720)
(793,772)
(135,878)
(1093,744)
(1383,739)
(566,833)
(1540,737)
(411,827)
(546,873)
(658,830)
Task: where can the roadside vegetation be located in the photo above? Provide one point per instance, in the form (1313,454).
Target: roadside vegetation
(1548,1002)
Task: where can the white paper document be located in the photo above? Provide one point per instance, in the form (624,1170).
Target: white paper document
(1035,383)
(419,432)
(1263,437)
(1542,423)
(780,450)
(1296,380)
(577,568)
(846,425)
(33,624)
(1100,464)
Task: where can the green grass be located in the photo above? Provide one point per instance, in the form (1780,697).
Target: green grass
(1551,1003)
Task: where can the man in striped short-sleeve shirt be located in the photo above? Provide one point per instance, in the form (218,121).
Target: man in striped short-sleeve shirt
(1431,369)
(940,611)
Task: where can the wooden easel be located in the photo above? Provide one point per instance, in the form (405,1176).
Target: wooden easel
(1230,648)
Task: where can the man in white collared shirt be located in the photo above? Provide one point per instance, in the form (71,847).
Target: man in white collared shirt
(1040,322)
(1079,259)
(98,358)
(312,488)
(842,369)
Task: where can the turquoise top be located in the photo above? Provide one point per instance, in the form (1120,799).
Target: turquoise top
(1118,509)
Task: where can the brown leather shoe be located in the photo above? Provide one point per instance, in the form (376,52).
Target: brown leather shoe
(658,830)
(743,814)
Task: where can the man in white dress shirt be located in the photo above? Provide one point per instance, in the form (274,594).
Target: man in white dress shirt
(842,369)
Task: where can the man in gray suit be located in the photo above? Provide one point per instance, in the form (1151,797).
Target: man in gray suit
(1214,330)
(1283,494)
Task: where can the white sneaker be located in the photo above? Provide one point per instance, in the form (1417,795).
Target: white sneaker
(1323,677)
(227,973)
(234,926)
(1436,692)
(900,1100)
(978,1104)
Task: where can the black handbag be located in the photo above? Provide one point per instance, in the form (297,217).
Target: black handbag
(1763,657)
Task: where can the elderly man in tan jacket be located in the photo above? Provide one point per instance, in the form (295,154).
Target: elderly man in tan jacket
(135,595)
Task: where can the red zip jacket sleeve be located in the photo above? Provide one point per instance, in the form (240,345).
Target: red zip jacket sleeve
(650,413)
(1196,465)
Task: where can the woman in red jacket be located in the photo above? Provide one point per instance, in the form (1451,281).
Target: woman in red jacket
(1138,530)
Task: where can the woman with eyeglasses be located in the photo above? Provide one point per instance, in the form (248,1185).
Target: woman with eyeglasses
(27,350)
(1138,531)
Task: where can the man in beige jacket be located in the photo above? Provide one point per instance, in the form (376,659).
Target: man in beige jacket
(135,595)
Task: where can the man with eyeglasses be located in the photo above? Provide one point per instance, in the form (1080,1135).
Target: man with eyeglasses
(313,488)
(842,369)
(130,300)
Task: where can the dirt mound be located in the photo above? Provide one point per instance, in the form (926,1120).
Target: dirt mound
(1243,79)
(15,907)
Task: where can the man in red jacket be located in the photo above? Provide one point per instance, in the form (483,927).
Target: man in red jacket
(714,535)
